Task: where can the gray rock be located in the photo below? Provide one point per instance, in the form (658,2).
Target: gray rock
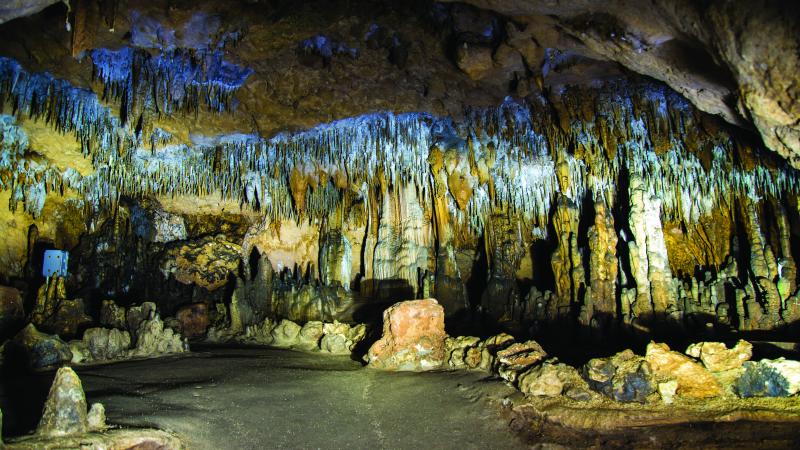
(65,409)
(42,350)
(105,343)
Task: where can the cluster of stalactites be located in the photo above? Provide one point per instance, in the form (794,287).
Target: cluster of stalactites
(25,175)
(171,81)
(511,158)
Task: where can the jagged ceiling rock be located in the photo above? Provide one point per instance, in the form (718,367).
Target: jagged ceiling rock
(737,59)
(11,9)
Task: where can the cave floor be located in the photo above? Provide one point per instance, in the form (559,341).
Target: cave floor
(226,398)
(232,398)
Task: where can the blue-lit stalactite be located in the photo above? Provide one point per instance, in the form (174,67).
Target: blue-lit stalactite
(632,129)
(176,80)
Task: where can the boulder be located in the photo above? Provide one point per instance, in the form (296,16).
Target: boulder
(135,315)
(769,378)
(80,352)
(55,313)
(154,339)
(341,338)
(457,349)
(694,380)
(112,315)
(624,377)
(65,409)
(96,419)
(42,350)
(413,337)
(107,343)
(260,333)
(517,357)
(309,337)
(551,379)
(716,357)
(194,320)
(286,334)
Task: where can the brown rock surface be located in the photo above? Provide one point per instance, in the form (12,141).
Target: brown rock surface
(413,337)
(194,319)
(206,262)
(718,358)
(694,381)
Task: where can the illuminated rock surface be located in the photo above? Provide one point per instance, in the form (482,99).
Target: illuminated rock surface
(569,180)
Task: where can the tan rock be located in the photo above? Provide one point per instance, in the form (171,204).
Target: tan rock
(413,337)
(474,60)
(206,262)
(694,381)
(716,357)
(65,409)
(550,379)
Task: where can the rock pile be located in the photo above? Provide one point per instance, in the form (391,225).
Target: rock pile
(334,338)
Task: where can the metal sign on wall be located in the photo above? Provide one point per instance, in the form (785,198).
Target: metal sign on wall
(55,263)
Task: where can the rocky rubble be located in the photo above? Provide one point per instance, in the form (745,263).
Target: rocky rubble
(334,338)
(65,423)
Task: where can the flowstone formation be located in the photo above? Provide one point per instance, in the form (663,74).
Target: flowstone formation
(542,201)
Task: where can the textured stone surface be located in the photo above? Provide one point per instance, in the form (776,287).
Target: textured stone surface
(625,377)
(769,378)
(716,357)
(550,379)
(153,339)
(42,350)
(694,381)
(65,409)
(285,334)
(517,357)
(341,338)
(206,262)
(112,315)
(105,343)
(413,337)
(751,64)
(194,319)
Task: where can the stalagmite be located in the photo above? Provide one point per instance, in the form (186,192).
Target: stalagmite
(603,267)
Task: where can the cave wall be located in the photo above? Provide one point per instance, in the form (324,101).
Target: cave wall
(342,160)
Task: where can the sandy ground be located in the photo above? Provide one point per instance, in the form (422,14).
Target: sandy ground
(264,398)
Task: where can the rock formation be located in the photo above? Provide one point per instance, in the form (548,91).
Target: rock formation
(413,337)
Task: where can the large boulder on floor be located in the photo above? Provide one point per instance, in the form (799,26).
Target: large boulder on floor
(154,339)
(769,378)
(286,334)
(194,320)
(65,409)
(413,337)
(107,343)
(694,380)
(716,357)
(41,350)
(518,357)
(340,338)
(310,335)
(624,377)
